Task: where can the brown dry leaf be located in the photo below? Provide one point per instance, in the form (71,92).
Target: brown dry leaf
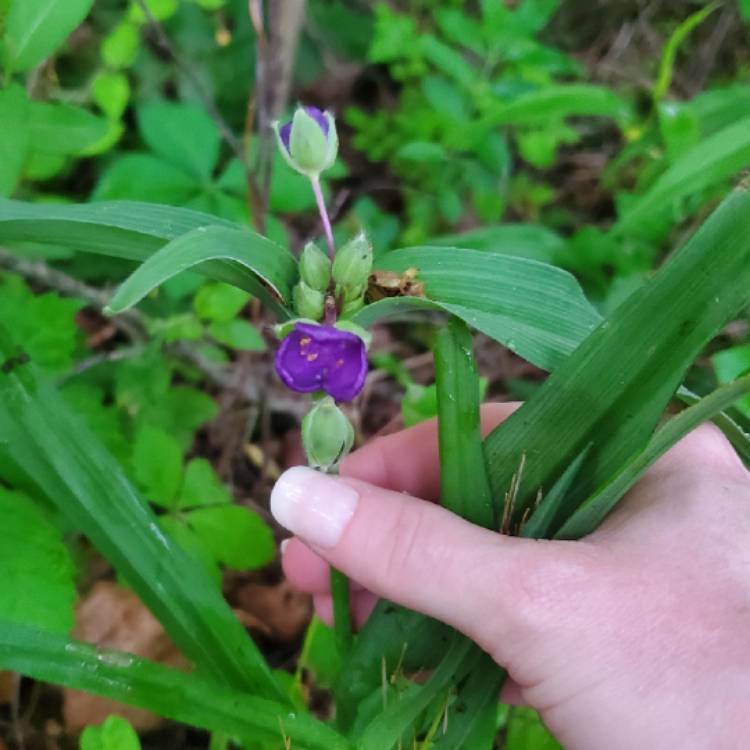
(113,617)
(284,611)
(7,687)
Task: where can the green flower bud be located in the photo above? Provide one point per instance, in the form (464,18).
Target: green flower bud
(352,307)
(308,302)
(352,265)
(309,143)
(315,267)
(327,434)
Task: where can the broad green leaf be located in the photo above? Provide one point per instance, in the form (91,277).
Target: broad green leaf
(422,151)
(62,129)
(594,510)
(114,734)
(146,178)
(183,135)
(238,334)
(536,310)
(111,92)
(14,136)
(36,568)
(745,9)
(556,102)
(183,535)
(418,404)
(319,654)
(175,695)
(271,263)
(219,302)
(136,230)
(120,47)
(238,537)
(708,163)
(157,465)
(613,389)
(202,486)
(55,449)
(36,28)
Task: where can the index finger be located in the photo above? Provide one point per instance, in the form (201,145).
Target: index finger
(407,461)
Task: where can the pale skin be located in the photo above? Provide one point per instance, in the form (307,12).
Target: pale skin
(637,636)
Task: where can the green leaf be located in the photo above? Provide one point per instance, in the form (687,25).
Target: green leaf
(730,364)
(14,136)
(238,334)
(678,36)
(536,310)
(68,465)
(120,47)
(708,163)
(36,28)
(526,732)
(219,302)
(422,151)
(114,734)
(202,486)
(271,263)
(37,571)
(613,389)
(238,537)
(594,510)
(319,654)
(531,241)
(62,129)
(167,692)
(418,404)
(111,92)
(157,465)
(556,102)
(186,538)
(183,135)
(147,178)
(136,230)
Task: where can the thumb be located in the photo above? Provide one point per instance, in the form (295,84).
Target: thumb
(420,555)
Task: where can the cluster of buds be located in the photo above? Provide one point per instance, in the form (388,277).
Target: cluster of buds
(328,360)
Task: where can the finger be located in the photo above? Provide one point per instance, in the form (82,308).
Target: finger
(418,554)
(307,570)
(408,460)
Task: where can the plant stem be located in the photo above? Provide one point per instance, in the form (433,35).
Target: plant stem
(317,190)
(342,614)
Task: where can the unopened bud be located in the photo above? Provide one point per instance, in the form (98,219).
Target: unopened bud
(308,302)
(352,266)
(309,143)
(327,434)
(352,307)
(315,267)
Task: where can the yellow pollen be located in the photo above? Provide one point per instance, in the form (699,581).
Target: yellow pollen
(339,363)
(305,341)
(312,357)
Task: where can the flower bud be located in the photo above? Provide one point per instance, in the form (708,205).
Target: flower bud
(309,143)
(308,302)
(327,434)
(352,307)
(315,267)
(352,266)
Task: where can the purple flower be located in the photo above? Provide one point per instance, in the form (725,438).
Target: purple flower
(285,131)
(322,358)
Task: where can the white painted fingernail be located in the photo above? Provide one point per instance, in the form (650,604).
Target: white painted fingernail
(312,505)
(284,544)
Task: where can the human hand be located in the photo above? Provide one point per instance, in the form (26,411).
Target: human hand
(636,636)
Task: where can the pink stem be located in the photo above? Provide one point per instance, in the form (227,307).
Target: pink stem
(324,215)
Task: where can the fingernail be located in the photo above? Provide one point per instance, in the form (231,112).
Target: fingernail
(312,505)
(284,544)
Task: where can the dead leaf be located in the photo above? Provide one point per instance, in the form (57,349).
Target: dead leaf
(111,616)
(382,284)
(7,687)
(284,611)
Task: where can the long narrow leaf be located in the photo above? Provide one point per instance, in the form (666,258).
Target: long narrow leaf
(535,309)
(612,391)
(162,690)
(594,510)
(134,231)
(50,444)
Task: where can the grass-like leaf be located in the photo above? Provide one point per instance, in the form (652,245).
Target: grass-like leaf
(168,692)
(613,389)
(135,231)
